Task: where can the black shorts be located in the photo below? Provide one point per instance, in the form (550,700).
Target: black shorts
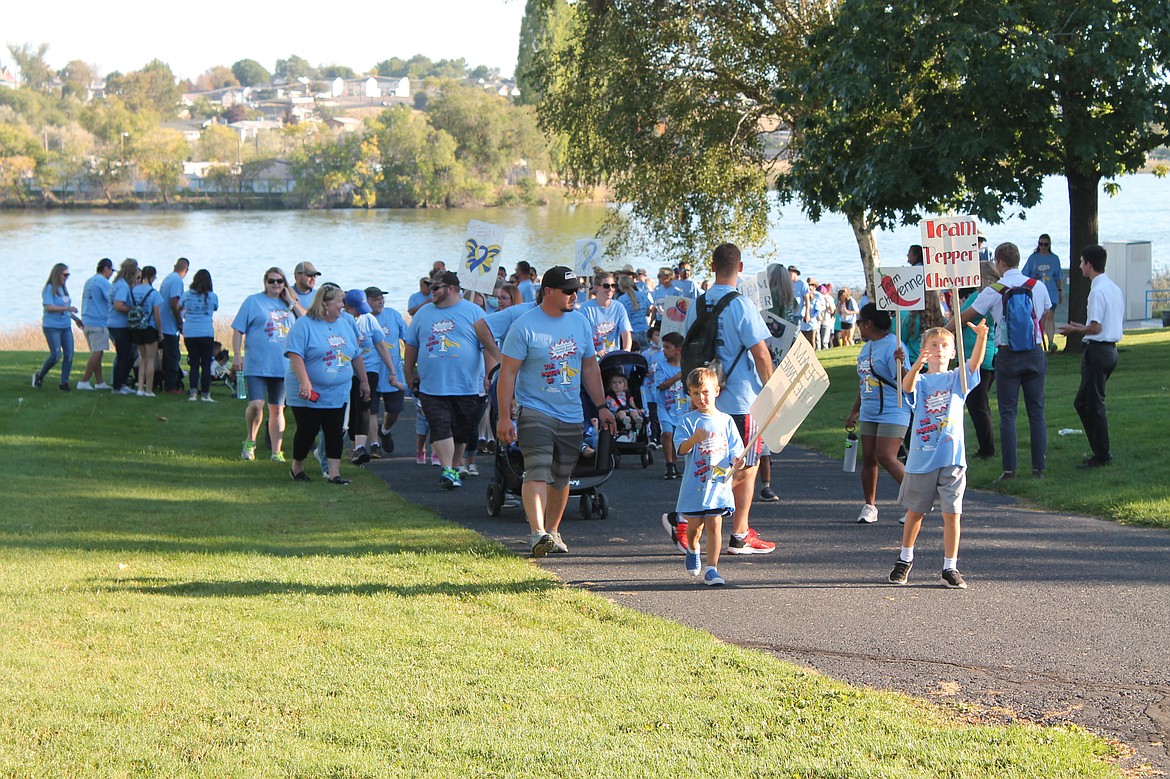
(452,416)
(144,337)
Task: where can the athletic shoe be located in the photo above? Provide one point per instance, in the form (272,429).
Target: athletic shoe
(511,503)
(472,470)
(124,391)
(249,451)
(559,546)
(692,563)
(435,460)
(767,496)
(64,387)
(360,456)
(712,578)
(302,476)
(463,471)
(953,579)
(375,451)
(194,397)
(421,457)
(752,544)
(277,457)
(901,572)
(541,543)
(868,514)
(145,394)
(340,482)
(449,479)
(100,386)
(676,528)
(207,399)
(84,385)
(37,380)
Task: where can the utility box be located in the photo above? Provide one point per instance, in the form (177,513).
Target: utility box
(1131,266)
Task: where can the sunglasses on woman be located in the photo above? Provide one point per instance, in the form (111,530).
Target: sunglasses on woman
(275,281)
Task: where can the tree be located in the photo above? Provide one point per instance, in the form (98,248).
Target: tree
(667,103)
(484,125)
(546,28)
(395,67)
(76,77)
(219,144)
(217,77)
(968,105)
(293,68)
(250,73)
(34,71)
(419,164)
(152,89)
(336,71)
(160,155)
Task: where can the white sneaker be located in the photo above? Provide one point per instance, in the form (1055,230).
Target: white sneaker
(463,471)
(868,514)
(194,397)
(472,470)
(84,385)
(124,391)
(541,543)
(207,399)
(101,386)
(559,546)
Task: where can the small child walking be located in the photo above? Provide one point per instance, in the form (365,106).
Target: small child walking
(672,399)
(710,442)
(936,463)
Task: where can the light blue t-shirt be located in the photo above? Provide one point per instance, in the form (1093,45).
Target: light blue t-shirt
(450,358)
(370,334)
(171,288)
(672,401)
(686,287)
(706,478)
(56,320)
(936,434)
(638,318)
(661,293)
(740,327)
(879,399)
(119,293)
(501,321)
(527,291)
(328,349)
(305,298)
(146,295)
(800,293)
(393,332)
(1046,269)
(607,324)
(199,314)
(551,351)
(95,301)
(417,299)
(265,323)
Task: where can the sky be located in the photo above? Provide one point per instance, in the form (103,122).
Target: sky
(193,37)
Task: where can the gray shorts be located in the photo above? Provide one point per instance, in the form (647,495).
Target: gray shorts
(98,338)
(943,487)
(882,429)
(550,447)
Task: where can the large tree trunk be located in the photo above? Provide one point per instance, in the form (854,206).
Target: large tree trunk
(1082,231)
(867,247)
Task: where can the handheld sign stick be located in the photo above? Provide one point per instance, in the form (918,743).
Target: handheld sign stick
(774,412)
(898,336)
(956,321)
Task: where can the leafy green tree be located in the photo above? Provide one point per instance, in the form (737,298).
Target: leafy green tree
(75,77)
(545,28)
(324,169)
(419,163)
(395,67)
(219,144)
(336,71)
(70,159)
(293,68)
(217,77)
(492,134)
(969,104)
(152,89)
(483,72)
(367,173)
(160,155)
(34,71)
(250,73)
(420,66)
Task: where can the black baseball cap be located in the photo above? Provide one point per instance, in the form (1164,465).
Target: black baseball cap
(560,277)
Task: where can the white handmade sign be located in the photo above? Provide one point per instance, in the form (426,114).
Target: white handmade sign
(588,253)
(950,252)
(784,403)
(481,257)
(674,315)
(899,289)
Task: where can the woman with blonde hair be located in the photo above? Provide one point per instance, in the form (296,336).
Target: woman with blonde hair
(57,325)
(637,304)
(146,297)
(259,332)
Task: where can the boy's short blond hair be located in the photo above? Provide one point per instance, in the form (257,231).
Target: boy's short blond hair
(938,332)
(699,375)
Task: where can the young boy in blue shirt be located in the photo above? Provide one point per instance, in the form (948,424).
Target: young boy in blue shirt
(936,463)
(710,441)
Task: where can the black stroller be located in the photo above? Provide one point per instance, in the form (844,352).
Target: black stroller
(633,366)
(588,475)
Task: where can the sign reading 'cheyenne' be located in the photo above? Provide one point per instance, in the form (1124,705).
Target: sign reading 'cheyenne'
(950,252)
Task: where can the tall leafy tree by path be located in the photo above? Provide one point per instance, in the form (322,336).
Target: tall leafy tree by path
(969,104)
(34,70)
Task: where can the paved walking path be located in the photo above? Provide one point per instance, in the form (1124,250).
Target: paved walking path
(1066,619)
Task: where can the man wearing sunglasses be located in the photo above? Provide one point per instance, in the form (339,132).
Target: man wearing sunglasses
(1044,266)
(304,286)
(608,320)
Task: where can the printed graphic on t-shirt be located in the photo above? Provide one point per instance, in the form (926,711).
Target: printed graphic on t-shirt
(709,453)
(277,327)
(440,341)
(558,370)
(335,357)
(933,426)
(601,340)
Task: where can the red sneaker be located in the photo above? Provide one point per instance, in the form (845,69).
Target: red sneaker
(752,544)
(676,527)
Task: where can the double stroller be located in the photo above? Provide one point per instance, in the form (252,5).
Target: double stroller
(584,483)
(635,442)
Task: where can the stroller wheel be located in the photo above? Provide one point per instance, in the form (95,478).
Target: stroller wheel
(647,458)
(602,505)
(586,506)
(495,499)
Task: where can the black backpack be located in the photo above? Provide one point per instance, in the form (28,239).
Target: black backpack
(138,318)
(700,346)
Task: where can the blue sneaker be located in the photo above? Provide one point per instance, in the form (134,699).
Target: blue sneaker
(692,563)
(712,578)
(449,480)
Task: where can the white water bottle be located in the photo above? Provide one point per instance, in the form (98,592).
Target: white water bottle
(850,451)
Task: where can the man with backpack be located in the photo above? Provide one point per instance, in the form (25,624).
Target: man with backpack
(737,331)
(1018,305)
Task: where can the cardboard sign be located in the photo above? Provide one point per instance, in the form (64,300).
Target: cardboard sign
(899,289)
(950,252)
(588,253)
(674,315)
(784,403)
(481,257)
(755,288)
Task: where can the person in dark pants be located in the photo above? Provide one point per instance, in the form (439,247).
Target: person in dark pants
(171,290)
(979,398)
(1101,334)
(119,325)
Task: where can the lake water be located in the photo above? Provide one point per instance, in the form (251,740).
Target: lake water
(392,249)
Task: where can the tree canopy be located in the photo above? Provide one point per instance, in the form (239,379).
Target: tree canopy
(250,73)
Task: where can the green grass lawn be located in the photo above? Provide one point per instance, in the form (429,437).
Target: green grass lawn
(168,610)
(1135,489)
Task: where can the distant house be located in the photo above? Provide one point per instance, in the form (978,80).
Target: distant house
(191,130)
(344,123)
(8,78)
(250,128)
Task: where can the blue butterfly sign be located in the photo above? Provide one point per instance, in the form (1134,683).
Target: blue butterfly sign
(481,256)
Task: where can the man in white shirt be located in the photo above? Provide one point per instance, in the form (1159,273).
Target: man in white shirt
(1102,332)
(1016,370)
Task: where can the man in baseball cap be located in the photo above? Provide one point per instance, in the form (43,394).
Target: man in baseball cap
(304,286)
(560,277)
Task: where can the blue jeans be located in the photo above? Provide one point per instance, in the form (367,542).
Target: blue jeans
(1015,371)
(60,340)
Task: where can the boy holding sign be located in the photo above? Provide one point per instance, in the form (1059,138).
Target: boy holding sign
(936,462)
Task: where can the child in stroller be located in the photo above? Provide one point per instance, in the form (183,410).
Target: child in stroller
(630,418)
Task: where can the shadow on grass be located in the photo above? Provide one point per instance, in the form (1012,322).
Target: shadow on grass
(261,588)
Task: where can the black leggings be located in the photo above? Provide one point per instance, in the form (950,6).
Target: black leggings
(123,355)
(310,420)
(199,355)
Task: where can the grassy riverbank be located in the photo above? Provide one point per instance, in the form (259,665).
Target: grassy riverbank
(1135,489)
(169,610)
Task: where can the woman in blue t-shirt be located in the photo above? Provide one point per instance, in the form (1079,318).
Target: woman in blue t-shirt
(883,421)
(637,305)
(146,339)
(199,305)
(57,324)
